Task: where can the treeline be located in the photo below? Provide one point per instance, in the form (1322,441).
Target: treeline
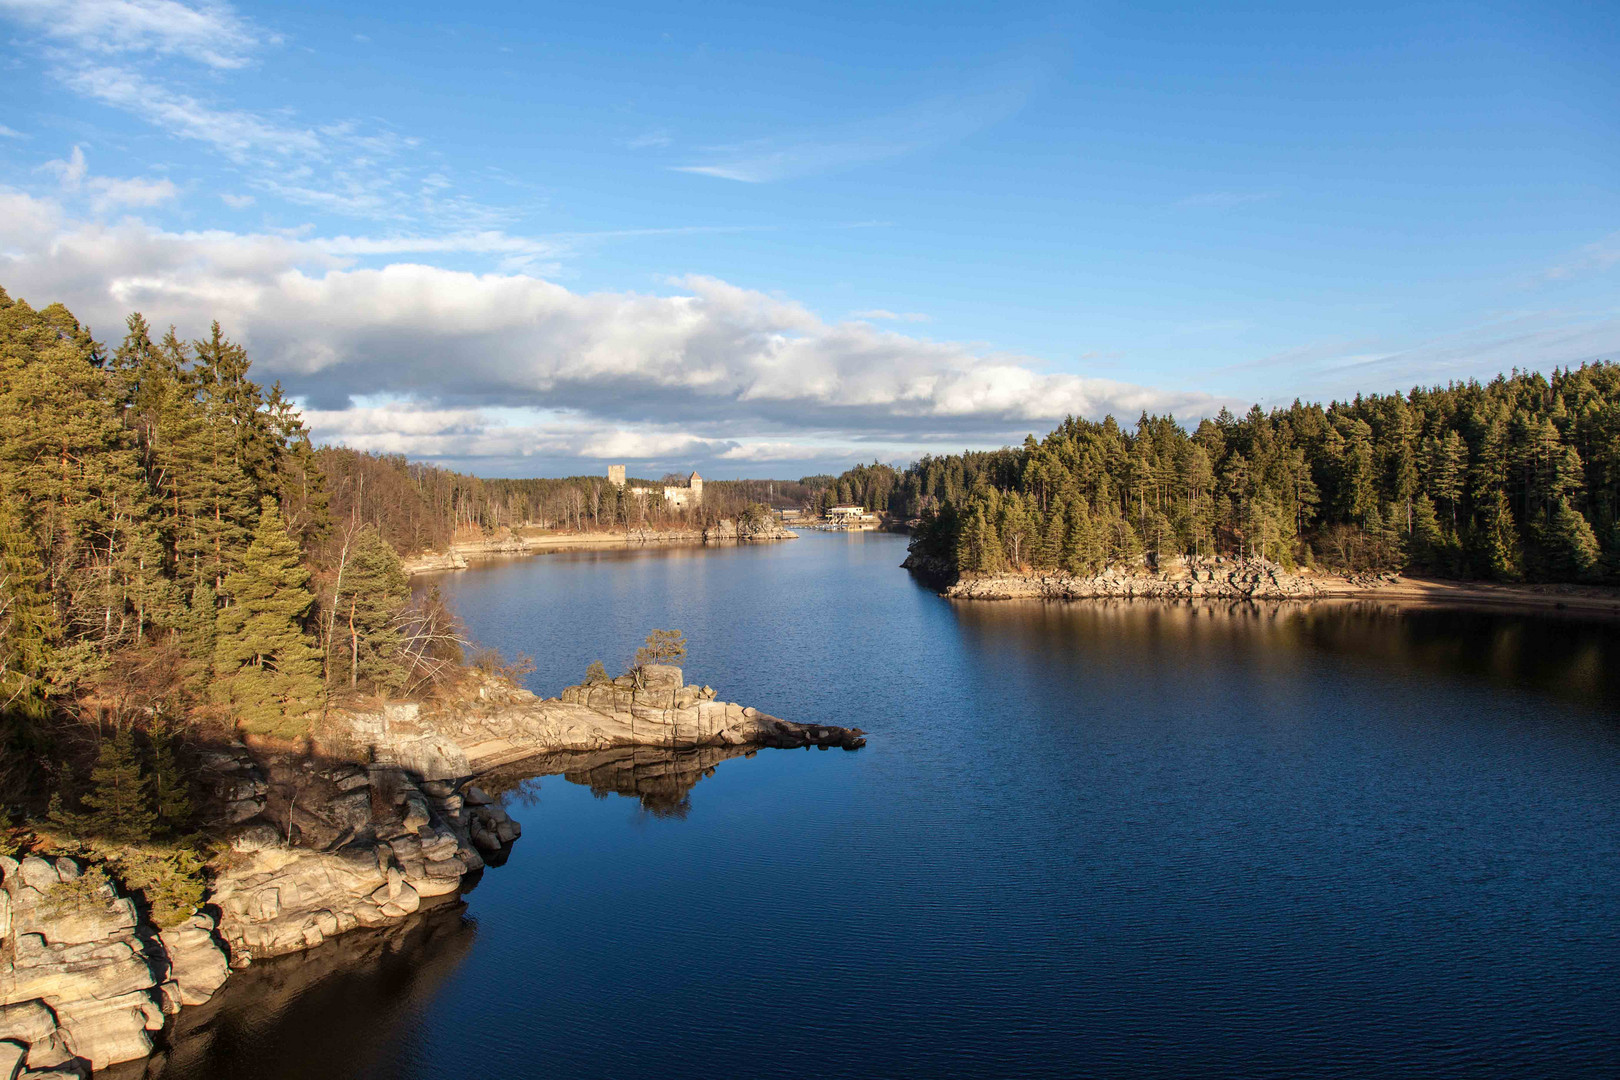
(1515,479)
(419,507)
(168,540)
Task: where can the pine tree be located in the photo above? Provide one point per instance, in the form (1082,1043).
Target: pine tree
(117,796)
(266,668)
(1499,539)
(167,786)
(1570,544)
(374,592)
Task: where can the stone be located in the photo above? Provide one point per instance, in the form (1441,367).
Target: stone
(33,1025)
(256,837)
(416,812)
(13,1056)
(351,810)
(37,873)
(474,796)
(197,964)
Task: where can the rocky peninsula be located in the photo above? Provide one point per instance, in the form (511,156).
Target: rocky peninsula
(384,813)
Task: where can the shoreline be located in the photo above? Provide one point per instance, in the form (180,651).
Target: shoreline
(1256,581)
(461,556)
(1440,592)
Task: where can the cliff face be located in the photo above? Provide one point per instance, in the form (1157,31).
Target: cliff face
(83,981)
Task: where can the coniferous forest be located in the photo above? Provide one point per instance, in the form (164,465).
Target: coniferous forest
(168,547)
(1517,479)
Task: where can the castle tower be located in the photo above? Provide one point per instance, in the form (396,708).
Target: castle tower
(616,475)
(695,482)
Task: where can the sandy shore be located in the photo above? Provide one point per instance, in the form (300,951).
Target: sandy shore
(1584,599)
(534,543)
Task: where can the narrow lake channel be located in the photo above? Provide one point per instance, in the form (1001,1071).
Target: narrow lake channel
(1093,839)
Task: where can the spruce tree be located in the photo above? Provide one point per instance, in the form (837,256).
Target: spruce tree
(267,670)
(117,796)
(373,593)
(166,783)
(1570,545)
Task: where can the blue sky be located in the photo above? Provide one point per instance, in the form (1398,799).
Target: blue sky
(533,239)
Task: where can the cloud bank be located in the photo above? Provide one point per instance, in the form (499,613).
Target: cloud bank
(454,364)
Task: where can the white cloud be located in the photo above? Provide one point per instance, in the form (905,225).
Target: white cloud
(1592,258)
(132,192)
(730,367)
(10,133)
(237,202)
(71,171)
(236,133)
(876,138)
(210,33)
(108,192)
(885,315)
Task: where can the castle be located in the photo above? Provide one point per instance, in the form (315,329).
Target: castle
(688,494)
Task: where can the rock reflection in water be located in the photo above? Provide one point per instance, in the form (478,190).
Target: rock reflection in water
(332,1009)
(1567,655)
(661,779)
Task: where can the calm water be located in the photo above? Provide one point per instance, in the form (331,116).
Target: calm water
(1085,840)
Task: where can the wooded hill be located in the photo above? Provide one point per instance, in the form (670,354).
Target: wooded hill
(419,507)
(1515,479)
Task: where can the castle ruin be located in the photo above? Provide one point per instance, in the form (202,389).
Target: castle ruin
(683,495)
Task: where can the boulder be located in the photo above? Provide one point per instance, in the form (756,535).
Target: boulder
(198,966)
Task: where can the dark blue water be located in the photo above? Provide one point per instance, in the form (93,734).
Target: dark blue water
(1085,840)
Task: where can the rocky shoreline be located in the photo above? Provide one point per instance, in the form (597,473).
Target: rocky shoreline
(382,815)
(1177,578)
(1256,579)
(460,556)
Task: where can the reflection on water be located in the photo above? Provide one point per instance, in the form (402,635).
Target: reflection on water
(1569,656)
(327,1012)
(660,779)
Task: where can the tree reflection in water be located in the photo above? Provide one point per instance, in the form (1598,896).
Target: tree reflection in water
(660,779)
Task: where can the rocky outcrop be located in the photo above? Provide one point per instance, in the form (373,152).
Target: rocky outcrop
(429,562)
(1174,579)
(347,846)
(726,530)
(495,723)
(83,981)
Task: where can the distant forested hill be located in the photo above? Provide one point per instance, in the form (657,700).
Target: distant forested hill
(1514,479)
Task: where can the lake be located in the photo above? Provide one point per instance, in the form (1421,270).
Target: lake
(1095,839)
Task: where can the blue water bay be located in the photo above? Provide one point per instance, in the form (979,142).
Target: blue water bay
(1089,839)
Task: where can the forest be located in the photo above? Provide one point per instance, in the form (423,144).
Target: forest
(419,507)
(1517,479)
(170,555)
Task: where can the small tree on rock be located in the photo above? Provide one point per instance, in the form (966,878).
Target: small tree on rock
(662,647)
